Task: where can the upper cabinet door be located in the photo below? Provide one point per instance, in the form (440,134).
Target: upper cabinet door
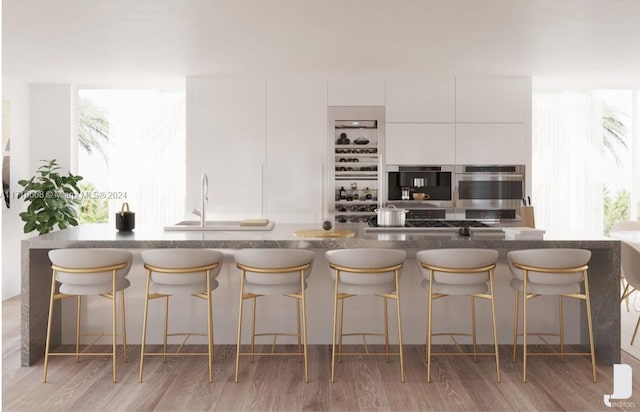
(493,100)
(296,149)
(356,91)
(491,144)
(420,100)
(420,144)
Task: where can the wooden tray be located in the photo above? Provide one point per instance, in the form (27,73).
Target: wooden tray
(324,233)
(254,222)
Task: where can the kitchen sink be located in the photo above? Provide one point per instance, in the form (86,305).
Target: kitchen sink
(222,225)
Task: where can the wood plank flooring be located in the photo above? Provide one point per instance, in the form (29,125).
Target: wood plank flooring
(275,383)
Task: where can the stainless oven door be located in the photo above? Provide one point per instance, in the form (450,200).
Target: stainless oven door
(489,190)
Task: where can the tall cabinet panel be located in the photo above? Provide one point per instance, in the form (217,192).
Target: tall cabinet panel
(296,149)
(226,140)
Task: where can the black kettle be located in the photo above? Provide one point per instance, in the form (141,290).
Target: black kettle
(125,219)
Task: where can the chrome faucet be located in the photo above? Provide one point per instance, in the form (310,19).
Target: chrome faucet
(204,198)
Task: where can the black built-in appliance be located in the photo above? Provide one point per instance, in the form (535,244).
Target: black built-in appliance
(436,182)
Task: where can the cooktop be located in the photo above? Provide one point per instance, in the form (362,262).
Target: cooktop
(435,223)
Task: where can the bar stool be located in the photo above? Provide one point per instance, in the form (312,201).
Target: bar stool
(82,272)
(274,272)
(557,272)
(627,290)
(173,272)
(459,272)
(367,271)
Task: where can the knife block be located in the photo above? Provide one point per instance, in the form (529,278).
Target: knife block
(527,216)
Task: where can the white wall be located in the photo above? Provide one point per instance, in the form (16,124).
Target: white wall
(50,124)
(17,93)
(41,128)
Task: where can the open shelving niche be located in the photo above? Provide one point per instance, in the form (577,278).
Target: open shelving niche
(356,165)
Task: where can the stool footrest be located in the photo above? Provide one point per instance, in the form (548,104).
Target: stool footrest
(271,353)
(367,353)
(462,353)
(175,353)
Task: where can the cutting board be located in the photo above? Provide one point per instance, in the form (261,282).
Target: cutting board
(324,233)
(254,222)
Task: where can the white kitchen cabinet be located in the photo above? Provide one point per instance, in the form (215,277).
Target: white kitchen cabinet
(226,140)
(420,143)
(296,149)
(485,144)
(356,91)
(420,100)
(493,100)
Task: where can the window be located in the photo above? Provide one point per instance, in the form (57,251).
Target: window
(583,145)
(132,149)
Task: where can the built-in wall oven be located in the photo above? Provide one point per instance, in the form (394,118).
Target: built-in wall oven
(489,192)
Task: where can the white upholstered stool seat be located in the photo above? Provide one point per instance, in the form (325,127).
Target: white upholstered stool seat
(174,272)
(459,272)
(274,272)
(366,271)
(83,272)
(539,272)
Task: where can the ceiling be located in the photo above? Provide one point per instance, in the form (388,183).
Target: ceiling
(145,41)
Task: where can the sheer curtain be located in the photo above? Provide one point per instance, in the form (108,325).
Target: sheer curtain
(145,154)
(568,168)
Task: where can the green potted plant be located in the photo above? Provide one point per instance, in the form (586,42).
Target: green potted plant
(52,199)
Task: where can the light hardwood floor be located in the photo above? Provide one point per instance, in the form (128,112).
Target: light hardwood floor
(275,383)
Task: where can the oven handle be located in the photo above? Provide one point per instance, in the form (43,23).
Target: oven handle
(483,176)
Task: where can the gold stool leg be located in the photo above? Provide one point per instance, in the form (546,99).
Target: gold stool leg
(524,328)
(430,322)
(561,322)
(515,326)
(625,293)
(304,327)
(166,328)
(114,327)
(397,274)
(386,329)
(78,306)
(46,348)
(298,325)
(495,327)
(341,328)
(633,338)
(124,329)
(253,328)
(239,324)
(473,328)
(335,318)
(209,327)
(590,325)
(144,325)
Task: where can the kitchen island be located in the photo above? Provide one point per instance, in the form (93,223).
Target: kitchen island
(604,275)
